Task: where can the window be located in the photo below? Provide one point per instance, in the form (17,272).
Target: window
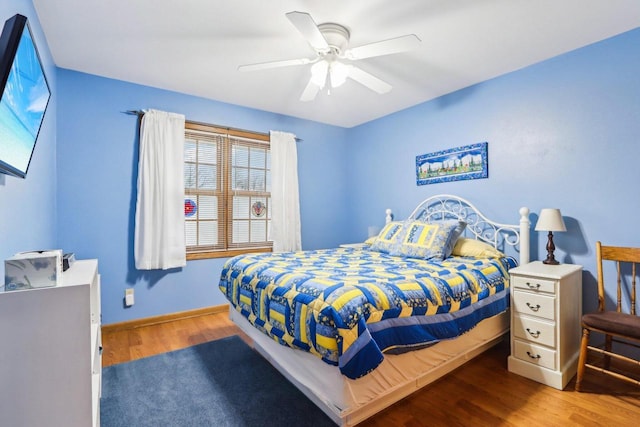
(227,178)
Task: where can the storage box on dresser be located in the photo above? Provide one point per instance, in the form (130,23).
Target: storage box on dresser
(50,352)
(546,307)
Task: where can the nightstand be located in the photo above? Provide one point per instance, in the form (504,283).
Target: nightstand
(546,308)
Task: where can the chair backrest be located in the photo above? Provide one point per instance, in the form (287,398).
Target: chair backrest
(621,256)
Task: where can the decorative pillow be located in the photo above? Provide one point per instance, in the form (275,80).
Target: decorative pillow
(370,240)
(475,248)
(455,234)
(388,237)
(428,240)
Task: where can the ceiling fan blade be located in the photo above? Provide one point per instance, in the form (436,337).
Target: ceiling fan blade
(309,30)
(369,80)
(385,47)
(275,64)
(310,92)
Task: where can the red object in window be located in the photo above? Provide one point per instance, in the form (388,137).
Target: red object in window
(259,208)
(190,208)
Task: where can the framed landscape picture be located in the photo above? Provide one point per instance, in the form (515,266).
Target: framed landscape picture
(454,164)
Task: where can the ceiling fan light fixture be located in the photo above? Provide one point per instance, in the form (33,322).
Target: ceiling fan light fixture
(338,72)
(319,72)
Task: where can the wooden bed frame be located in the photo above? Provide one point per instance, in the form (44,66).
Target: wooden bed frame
(348,402)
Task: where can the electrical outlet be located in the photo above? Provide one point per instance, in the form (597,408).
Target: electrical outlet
(128,297)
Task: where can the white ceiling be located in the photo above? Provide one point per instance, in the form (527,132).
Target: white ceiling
(195,47)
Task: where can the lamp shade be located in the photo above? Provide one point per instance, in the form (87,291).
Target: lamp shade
(550,220)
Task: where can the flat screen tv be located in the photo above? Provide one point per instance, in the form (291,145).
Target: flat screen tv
(25,96)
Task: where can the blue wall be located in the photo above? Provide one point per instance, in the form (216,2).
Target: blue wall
(28,206)
(97,170)
(563,133)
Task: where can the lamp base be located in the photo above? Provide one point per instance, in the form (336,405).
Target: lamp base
(551,260)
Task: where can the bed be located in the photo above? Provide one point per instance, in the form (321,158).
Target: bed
(359,328)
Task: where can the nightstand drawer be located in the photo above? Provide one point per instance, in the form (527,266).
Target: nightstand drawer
(534,330)
(534,304)
(535,354)
(534,284)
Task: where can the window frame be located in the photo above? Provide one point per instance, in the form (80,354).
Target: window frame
(225,194)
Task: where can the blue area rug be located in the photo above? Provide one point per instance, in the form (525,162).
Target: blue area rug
(219,383)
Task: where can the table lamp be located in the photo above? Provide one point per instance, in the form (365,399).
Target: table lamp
(550,220)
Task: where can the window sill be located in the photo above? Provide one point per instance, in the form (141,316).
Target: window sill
(224,254)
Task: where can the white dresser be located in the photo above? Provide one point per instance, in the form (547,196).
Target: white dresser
(50,352)
(546,308)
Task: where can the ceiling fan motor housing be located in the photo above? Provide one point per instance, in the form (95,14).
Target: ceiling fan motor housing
(336,35)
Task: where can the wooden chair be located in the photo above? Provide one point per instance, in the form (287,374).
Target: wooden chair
(617,326)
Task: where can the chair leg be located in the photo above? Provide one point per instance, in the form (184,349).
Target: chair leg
(583,357)
(607,346)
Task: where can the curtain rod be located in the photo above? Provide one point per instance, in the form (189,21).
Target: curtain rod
(140,113)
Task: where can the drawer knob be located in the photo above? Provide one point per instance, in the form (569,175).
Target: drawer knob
(534,307)
(536,286)
(533,356)
(535,334)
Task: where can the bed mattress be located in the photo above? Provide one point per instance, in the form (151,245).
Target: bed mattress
(348,402)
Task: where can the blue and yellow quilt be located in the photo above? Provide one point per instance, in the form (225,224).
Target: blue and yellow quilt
(348,306)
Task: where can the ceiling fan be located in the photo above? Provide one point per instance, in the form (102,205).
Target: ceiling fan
(331,44)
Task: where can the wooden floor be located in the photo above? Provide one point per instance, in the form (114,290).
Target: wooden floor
(480,393)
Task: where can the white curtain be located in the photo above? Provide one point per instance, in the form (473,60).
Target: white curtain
(285,214)
(159,230)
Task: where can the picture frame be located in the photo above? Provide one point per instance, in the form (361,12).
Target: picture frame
(454,164)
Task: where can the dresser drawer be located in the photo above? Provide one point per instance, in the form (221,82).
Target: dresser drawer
(535,354)
(537,331)
(534,284)
(534,304)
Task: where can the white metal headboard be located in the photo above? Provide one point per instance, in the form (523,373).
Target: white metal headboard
(446,206)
